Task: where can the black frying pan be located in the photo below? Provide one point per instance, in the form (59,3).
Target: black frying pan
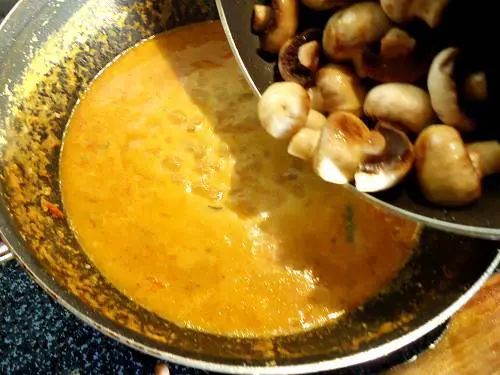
(465,24)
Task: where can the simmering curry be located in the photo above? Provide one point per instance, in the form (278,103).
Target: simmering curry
(188,207)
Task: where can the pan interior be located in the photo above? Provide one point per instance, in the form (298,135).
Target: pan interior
(52,50)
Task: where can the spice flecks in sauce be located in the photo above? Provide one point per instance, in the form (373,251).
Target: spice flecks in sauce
(193,211)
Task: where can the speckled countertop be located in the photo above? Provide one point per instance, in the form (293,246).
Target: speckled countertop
(38,336)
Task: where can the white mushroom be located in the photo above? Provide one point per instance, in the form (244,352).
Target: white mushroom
(351,29)
(338,89)
(340,149)
(443,91)
(261,18)
(283,109)
(448,171)
(304,143)
(283,27)
(401,11)
(403,104)
(388,168)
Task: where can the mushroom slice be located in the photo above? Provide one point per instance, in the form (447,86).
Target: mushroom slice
(325,4)
(304,143)
(283,109)
(340,90)
(446,173)
(443,91)
(401,11)
(262,17)
(340,149)
(383,171)
(351,29)
(284,26)
(299,57)
(401,104)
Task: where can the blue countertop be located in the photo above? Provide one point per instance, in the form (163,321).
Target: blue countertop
(38,336)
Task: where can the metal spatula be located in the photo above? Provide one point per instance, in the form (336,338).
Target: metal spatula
(481,219)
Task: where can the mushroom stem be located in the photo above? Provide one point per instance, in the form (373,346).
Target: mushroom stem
(286,21)
(262,17)
(485,156)
(309,55)
(304,143)
(315,120)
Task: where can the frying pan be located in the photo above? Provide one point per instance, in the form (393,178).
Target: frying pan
(49,52)
(480,219)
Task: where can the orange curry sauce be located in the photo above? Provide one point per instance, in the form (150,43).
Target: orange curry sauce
(189,208)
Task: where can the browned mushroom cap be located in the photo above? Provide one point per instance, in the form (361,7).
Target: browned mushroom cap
(338,89)
(446,174)
(284,26)
(383,171)
(443,91)
(350,30)
(299,57)
(261,18)
(325,4)
(401,11)
(340,149)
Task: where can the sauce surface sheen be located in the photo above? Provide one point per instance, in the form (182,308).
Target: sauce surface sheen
(189,208)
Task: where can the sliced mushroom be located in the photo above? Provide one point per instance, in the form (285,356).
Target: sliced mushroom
(476,87)
(283,27)
(443,91)
(388,168)
(283,109)
(340,149)
(338,89)
(401,11)
(261,18)
(299,57)
(325,4)
(449,172)
(405,105)
(304,143)
(315,120)
(350,30)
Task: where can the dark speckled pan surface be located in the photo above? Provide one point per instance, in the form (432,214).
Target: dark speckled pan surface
(49,52)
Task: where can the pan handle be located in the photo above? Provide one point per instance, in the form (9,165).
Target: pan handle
(5,254)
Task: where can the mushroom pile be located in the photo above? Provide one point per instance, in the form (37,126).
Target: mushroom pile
(362,102)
